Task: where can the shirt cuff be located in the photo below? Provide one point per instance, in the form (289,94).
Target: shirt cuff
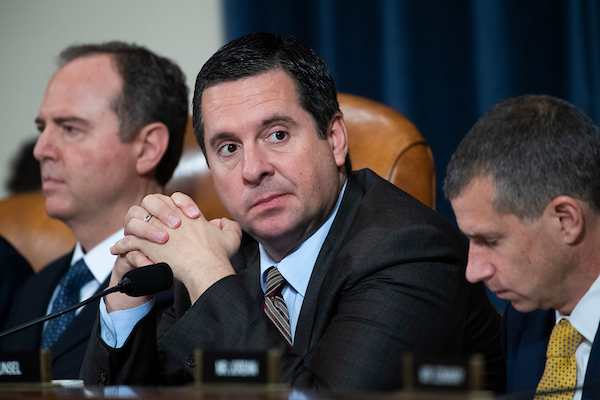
(116,327)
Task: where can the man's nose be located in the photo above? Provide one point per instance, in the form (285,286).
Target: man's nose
(479,267)
(256,165)
(44,147)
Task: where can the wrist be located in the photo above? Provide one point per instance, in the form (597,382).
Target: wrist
(197,284)
(120,301)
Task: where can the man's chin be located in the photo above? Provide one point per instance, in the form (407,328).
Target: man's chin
(267,235)
(57,210)
(271,232)
(523,306)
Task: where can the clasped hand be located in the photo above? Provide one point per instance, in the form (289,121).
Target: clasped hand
(197,250)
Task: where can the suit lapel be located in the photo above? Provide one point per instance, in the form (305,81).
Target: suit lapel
(592,373)
(531,353)
(248,267)
(43,286)
(33,303)
(320,284)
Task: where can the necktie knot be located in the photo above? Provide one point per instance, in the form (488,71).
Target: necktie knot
(275,282)
(564,340)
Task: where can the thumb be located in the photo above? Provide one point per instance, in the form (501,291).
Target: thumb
(233,233)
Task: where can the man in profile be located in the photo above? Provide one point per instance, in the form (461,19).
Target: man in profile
(340,270)
(111,128)
(524,185)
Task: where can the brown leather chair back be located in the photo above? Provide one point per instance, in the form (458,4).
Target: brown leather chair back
(39,238)
(380,138)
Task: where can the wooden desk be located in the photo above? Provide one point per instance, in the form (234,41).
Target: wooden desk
(215,393)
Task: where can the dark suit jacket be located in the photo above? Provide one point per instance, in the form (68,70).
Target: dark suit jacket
(525,338)
(14,270)
(389,279)
(32,302)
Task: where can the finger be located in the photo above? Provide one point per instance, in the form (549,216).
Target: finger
(125,245)
(228,225)
(186,205)
(150,230)
(120,268)
(163,208)
(133,213)
(233,231)
(216,222)
(138,259)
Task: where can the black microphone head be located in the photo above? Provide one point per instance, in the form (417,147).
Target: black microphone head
(147,280)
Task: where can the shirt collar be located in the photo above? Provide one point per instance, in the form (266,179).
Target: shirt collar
(306,255)
(585,317)
(99,260)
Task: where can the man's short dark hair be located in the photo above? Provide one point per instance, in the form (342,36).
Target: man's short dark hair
(154,90)
(534,148)
(257,53)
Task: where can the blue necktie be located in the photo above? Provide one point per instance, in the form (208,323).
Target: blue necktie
(68,295)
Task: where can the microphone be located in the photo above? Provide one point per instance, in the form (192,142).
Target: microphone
(146,280)
(141,281)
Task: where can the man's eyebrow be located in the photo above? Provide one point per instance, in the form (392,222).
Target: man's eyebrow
(219,137)
(484,235)
(62,120)
(276,119)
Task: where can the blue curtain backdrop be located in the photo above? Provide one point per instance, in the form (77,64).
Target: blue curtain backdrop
(443,63)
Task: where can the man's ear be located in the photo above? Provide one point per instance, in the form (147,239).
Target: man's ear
(338,138)
(150,145)
(568,218)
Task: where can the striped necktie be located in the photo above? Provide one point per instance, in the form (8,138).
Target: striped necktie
(560,373)
(68,294)
(274,305)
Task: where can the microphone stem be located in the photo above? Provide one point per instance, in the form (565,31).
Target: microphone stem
(59,313)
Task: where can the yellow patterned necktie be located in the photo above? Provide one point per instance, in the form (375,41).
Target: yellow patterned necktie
(560,372)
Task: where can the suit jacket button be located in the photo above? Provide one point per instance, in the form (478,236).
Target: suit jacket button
(102,378)
(191,361)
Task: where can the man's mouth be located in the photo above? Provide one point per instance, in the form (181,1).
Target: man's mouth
(269,201)
(49,182)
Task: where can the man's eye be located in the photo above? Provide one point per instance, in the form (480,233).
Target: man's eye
(70,129)
(490,243)
(228,149)
(278,136)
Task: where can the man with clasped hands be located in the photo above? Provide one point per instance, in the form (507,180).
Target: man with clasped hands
(368,271)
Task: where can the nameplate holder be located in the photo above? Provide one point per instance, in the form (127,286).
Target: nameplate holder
(248,368)
(447,373)
(25,367)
